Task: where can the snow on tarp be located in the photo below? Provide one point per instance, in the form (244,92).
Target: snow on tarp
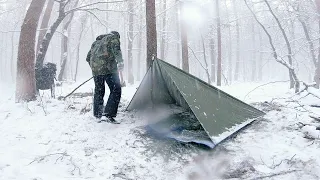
(230,131)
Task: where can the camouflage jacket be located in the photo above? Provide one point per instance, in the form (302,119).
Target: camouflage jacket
(105,55)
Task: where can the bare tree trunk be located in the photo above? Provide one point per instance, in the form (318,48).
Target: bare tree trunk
(163,31)
(84,20)
(151,32)
(64,49)
(178,61)
(77,58)
(139,46)
(139,57)
(5,41)
(292,83)
(229,44)
(219,68)
(254,60)
(107,18)
(3,57)
(261,57)
(213,57)
(69,63)
(293,35)
(92,31)
(124,42)
(311,46)
(317,73)
(130,42)
(205,59)
(64,45)
(275,54)
(64,53)
(205,67)
(3,60)
(237,67)
(2,72)
(12,56)
(46,40)
(45,22)
(184,43)
(25,82)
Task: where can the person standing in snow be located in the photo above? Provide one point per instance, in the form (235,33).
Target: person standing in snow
(105,60)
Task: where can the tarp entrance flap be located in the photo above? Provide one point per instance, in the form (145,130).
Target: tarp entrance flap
(219,113)
(152,83)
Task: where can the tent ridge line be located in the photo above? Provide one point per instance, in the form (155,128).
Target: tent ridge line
(190,108)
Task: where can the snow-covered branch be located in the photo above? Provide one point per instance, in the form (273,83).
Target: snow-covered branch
(92,4)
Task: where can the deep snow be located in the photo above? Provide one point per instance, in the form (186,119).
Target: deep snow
(51,139)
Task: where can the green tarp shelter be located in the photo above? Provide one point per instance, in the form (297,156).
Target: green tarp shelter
(220,114)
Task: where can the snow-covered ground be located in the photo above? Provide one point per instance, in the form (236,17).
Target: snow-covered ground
(51,139)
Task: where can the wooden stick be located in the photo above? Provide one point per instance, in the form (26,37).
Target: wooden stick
(276,174)
(315,118)
(64,98)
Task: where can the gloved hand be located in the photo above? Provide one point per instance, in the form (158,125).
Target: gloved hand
(120,66)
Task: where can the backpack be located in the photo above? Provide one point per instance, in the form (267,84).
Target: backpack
(102,60)
(100,49)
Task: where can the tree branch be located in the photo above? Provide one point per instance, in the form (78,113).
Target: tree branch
(75,89)
(264,85)
(276,174)
(92,4)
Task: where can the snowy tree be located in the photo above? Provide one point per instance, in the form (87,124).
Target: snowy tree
(151,31)
(25,84)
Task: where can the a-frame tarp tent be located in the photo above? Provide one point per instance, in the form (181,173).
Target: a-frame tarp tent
(219,113)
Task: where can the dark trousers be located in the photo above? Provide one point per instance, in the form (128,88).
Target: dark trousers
(111,108)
